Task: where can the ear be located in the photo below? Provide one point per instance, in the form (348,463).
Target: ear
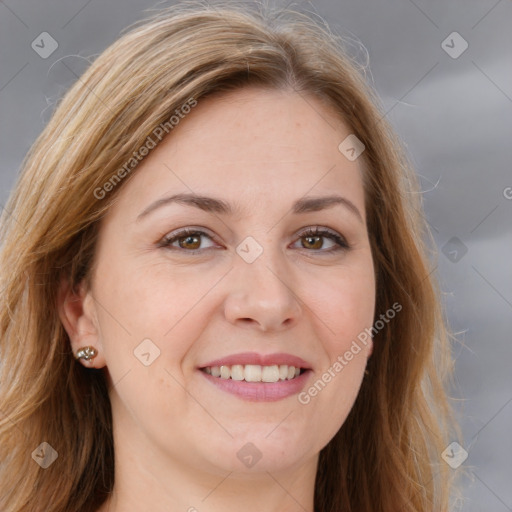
(77,311)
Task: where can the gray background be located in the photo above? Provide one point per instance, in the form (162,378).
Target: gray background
(454,114)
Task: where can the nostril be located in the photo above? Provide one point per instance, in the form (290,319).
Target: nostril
(247,321)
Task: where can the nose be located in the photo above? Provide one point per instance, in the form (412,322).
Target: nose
(262,296)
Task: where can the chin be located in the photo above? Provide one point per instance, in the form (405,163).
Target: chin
(259,453)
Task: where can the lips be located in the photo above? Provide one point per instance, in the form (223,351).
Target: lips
(258,377)
(254,358)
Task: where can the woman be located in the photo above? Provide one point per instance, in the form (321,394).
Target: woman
(215,290)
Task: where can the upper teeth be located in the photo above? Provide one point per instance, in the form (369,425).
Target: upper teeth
(254,372)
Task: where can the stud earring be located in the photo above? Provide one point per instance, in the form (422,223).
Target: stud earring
(86,353)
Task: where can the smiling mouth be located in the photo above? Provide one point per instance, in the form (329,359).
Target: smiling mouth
(254,372)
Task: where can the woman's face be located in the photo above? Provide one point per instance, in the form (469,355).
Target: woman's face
(247,285)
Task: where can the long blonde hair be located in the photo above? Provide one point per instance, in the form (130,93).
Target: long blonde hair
(387,455)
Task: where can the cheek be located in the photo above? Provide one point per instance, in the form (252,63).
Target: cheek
(154,302)
(344,303)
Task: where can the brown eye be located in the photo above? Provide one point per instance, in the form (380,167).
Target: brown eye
(314,240)
(189,241)
(186,240)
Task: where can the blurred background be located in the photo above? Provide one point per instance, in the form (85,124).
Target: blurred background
(443,71)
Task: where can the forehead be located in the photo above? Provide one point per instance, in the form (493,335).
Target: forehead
(253,147)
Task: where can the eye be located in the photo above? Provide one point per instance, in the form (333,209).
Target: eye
(313,238)
(187,239)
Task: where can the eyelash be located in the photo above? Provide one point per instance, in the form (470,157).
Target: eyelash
(342,244)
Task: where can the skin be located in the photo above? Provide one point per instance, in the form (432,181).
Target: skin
(177,435)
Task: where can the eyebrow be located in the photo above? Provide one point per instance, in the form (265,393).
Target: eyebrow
(214,205)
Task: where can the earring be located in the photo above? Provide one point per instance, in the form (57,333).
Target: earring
(86,353)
